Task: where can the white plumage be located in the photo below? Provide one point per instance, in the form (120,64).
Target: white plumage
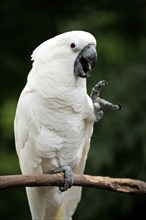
(54,123)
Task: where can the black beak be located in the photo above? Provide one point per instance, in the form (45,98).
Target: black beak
(85,61)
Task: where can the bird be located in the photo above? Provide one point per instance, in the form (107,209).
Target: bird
(54,120)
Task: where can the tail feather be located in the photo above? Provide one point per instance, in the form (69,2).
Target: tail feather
(62,214)
(36,200)
(59,214)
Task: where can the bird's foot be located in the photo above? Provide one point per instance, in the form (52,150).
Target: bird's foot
(96,89)
(98,102)
(98,111)
(68,174)
(95,93)
(116,107)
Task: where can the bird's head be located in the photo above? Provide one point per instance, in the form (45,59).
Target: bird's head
(74,50)
(81,46)
(84,46)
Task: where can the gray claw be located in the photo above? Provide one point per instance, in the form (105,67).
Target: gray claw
(68,177)
(104,83)
(101,83)
(116,107)
(120,106)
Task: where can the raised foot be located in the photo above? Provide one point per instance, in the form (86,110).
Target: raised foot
(98,102)
(68,174)
(117,107)
(102,83)
(96,89)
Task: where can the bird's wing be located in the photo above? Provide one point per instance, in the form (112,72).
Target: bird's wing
(41,199)
(25,131)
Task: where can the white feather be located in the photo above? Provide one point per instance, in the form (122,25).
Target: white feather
(54,122)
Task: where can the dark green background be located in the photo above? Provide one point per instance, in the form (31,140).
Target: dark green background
(118,144)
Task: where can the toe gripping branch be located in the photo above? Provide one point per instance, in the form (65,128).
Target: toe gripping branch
(99,102)
(68,174)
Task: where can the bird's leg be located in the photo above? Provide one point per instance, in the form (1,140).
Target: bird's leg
(68,177)
(98,102)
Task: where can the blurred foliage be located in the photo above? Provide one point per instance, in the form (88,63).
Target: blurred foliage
(118,143)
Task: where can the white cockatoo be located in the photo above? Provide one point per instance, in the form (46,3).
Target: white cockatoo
(54,120)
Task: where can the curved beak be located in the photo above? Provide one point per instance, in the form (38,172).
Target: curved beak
(85,61)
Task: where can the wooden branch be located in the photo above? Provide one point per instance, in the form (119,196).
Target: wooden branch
(124,185)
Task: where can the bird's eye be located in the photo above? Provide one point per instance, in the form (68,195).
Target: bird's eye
(72,45)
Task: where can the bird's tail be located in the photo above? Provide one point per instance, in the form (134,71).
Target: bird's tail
(62,214)
(48,203)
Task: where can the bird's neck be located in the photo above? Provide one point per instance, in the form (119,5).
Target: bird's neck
(49,85)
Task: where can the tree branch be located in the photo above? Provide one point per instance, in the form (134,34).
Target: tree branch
(124,185)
